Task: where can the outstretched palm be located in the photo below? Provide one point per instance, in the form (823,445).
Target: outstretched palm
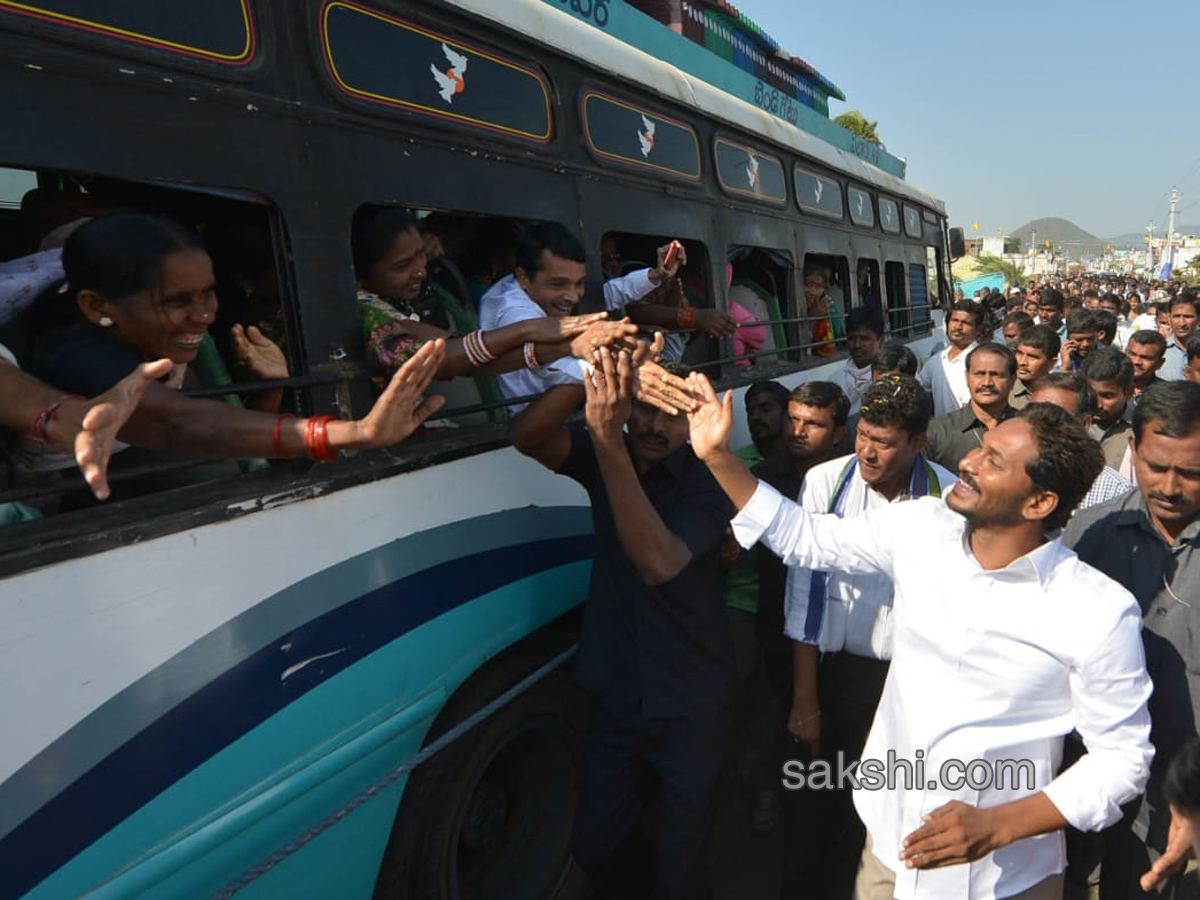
(711,421)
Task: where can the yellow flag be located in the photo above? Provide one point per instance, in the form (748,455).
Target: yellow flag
(974,226)
(999,231)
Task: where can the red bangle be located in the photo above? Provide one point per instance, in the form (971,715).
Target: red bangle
(276,440)
(37,431)
(316,439)
(686,317)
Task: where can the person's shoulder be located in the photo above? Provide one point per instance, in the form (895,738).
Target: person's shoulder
(1104,518)
(830,471)
(1077,581)
(946,478)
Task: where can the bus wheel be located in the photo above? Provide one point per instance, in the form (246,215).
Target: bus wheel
(489,818)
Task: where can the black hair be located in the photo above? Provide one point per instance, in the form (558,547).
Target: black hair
(895,357)
(1193,347)
(1183,298)
(1149,336)
(1173,405)
(824,395)
(969,306)
(1021,319)
(373,232)
(1080,321)
(1041,337)
(550,237)
(1052,297)
(1106,324)
(1109,364)
(1182,784)
(1067,460)
(777,391)
(898,400)
(1076,384)
(1000,350)
(865,317)
(120,254)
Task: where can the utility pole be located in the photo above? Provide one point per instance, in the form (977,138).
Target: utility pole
(1150,249)
(1170,252)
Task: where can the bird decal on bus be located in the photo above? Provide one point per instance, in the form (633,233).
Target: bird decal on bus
(451,81)
(818,190)
(646,138)
(752,171)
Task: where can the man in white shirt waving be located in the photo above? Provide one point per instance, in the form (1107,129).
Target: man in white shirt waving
(1003,641)
(945,374)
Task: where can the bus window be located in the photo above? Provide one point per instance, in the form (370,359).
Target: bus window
(918,286)
(14,185)
(625,257)
(827,298)
(240,235)
(897,299)
(759,300)
(933,267)
(869,293)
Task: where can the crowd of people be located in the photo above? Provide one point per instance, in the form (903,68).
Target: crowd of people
(997,565)
(984,555)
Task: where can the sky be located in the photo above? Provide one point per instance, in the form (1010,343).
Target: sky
(1089,111)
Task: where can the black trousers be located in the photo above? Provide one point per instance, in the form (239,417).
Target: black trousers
(824,836)
(629,762)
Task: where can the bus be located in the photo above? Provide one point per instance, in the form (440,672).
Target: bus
(219,683)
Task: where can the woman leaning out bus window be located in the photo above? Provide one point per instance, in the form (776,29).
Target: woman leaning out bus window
(145,287)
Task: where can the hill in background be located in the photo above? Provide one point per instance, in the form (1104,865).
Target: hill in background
(1062,233)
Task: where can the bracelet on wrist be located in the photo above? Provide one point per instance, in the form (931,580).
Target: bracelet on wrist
(685,318)
(37,431)
(531,360)
(477,349)
(316,439)
(277,437)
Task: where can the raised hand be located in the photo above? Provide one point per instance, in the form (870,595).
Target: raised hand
(602,333)
(258,353)
(667,270)
(553,329)
(710,422)
(399,411)
(91,427)
(715,323)
(609,392)
(658,387)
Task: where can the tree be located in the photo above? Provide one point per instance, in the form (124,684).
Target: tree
(989,264)
(856,123)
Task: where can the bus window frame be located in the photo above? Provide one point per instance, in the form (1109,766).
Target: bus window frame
(840,216)
(620,163)
(401,110)
(100,40)
(741,193)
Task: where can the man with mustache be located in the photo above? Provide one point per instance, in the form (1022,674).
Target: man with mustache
(1149,541)
(1000,647)
(655,652)
(991,373)
(944,374)
(839,629)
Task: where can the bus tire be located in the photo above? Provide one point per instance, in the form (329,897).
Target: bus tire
(489,818)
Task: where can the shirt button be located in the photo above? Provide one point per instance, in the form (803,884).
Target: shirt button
(1161,611)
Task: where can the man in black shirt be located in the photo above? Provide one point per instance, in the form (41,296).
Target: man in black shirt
(655,651)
